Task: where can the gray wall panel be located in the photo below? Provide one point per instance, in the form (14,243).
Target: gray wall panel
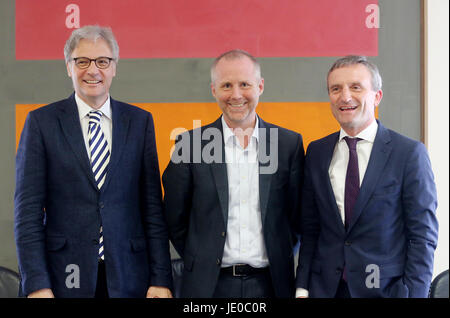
(7,128)
(187,80)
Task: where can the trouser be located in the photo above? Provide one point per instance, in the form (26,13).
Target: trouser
(101,291)
(255,284)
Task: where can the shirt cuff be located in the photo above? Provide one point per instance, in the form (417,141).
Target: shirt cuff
(301,292)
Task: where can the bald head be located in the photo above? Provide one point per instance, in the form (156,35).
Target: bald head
(235,55)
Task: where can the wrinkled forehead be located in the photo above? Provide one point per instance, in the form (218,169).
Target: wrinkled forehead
(236,68)
(354,73)
(96,46)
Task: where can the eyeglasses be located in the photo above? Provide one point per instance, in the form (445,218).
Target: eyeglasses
(101,62)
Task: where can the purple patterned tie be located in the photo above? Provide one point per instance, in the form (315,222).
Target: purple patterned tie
(351,180)
(351,185)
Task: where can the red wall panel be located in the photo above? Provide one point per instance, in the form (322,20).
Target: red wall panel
(203,28)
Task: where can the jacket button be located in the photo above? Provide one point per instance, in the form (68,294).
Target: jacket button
(348,243)
(218,261)
(101,205)
(95,241)
(338,271)
(223,234)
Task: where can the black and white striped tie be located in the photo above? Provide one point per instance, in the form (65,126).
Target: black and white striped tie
(100,154)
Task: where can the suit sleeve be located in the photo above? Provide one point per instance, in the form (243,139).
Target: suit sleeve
(153,218)
(295,186)
(177,182)
(309,226)
(419,201)
(29,208)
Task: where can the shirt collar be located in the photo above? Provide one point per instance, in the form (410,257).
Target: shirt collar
(228,133)
(367,134)
(84,109)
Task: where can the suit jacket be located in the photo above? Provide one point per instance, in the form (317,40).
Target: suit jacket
(196,208)
(59,209)
(393,231)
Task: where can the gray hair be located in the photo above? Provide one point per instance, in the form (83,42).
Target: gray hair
(234,55)
(359,59)
(91,32)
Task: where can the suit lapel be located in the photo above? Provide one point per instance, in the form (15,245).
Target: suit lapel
(379,156)
(71,127)
(265,179)
(325,162)
(120,125)
(219,172)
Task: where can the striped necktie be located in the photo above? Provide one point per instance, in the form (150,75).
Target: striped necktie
(100,154)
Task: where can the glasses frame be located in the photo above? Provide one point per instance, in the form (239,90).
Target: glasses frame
(92,60)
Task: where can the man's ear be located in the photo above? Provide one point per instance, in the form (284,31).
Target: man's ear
(69,70)
(115,67)
(213,90)
(261,86)
(378,97)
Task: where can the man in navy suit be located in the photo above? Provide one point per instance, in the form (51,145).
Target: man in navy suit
(231,193)
(368,204)
(88,208)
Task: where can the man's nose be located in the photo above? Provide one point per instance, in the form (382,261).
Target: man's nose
(346,95)
(236,93)
(92,69)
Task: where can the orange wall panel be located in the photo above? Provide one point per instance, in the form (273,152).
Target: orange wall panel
(312,119)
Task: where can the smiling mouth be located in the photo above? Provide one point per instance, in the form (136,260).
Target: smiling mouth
(91,82)
(240,105)
(347,108)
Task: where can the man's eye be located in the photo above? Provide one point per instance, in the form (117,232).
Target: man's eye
(82,62)
(103,62)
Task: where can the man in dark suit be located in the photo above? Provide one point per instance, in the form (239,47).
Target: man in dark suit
(232,193)
(88,202)
(368,205)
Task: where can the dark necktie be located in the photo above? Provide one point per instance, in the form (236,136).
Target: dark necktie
(351,185)
(351,180)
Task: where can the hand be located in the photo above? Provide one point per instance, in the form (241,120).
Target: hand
(42,293)
(159,292)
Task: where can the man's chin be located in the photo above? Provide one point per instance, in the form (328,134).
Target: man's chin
(93,99)
(241,121)
(236,118)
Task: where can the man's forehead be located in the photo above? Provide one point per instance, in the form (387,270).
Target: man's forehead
(90,44)
(235,68)
(353,69)
(350,73)
(233,63)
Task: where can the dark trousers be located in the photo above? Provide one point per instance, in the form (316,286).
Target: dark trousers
(101,291)
(342,291)
(252,286)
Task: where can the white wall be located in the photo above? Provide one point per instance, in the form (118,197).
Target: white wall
(437,115)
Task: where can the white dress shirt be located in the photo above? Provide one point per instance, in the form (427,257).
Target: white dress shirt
(244,242)
(105,121)
(338,169)
(338,166)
